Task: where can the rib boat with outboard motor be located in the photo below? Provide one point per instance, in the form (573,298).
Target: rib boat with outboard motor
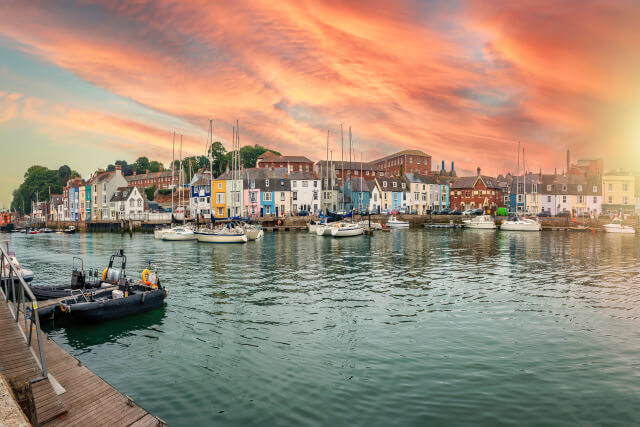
(80,280)
(128,299)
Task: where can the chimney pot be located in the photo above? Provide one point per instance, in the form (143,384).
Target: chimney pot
(478,170)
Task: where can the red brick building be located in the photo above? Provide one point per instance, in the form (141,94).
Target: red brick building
(369,170)
(162,180)
(407,161)
(292,163)
(471,192)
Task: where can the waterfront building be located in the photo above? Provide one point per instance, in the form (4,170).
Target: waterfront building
(87,203)
(524,194)
(305,192)
(82,198)
(359,195)
(162,180)
(572,194)
(253,182)
(375,197)
(104,184)
(422,189)
(637,195)
(200,194)
(270,160)
(472,192)
(219,198)
(56,205)
(393,191)
(126,203)
(350,169)
(234,192)
(618,193)
(411,161)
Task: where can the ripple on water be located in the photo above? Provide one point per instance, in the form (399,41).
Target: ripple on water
(409,327)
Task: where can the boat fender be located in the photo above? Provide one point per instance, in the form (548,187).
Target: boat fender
(142,300)
(104,274)
(63,308)
(145,277)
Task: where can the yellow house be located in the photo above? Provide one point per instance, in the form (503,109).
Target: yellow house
(618,192)
(219,198)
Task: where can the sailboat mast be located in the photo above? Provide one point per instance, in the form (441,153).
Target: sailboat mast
(173,165)
(342,164)
(518,179)
(180,182)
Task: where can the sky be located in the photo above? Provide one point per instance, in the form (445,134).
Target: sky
(86,83)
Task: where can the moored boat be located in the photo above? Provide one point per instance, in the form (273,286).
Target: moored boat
(227,234)
(27,275)
(484,222)
(521,224)
(616,226)
(80,280)
(346,229)
(394,222)
(324,229)
(70,230)
(253,231)
(180,233)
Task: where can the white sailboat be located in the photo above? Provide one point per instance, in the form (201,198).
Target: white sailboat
(227,234)
(346,229)
(324,229)
(519,223)
(180,232)
(616,226)
(484,222)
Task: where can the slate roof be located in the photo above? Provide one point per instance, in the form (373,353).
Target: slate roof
(122,194)
(338,165)
(310,176)
(402,153)
(268,156)
(469,182)
(390,181)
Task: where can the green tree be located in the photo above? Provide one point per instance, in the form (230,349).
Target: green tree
(141,165)
(218,152)
(150,192)
(75,174)
(38,182)
(64,173)
(155,166)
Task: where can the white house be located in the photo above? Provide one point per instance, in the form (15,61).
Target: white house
(104,185)
(126,203)
(305,192)
(375,198)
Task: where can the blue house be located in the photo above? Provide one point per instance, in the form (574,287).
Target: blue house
(359,194)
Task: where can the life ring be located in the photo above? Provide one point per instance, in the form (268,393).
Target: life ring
(145,277)
(104,273)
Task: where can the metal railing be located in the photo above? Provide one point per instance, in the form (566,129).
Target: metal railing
(20,299)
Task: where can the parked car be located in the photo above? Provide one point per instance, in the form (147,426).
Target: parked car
(468,212)
(384,212)
(544,214)
(478,211)
(445,211)
(303,213)
(394,212)
(402,211)
(455,212)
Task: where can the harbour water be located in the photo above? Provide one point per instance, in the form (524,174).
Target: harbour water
(414,327)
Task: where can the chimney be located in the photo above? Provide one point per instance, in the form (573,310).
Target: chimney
(478,170)
(118,170)
(452,166)
(442,165)
(135,173)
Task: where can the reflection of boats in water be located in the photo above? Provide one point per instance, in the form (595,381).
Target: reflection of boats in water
(82,336)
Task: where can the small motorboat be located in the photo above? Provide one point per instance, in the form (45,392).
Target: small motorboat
(33,231)
(46,230)
(70,230)
(108,304)
(484,222)
(394,222)
(157,232)
(178,233)
(80,280)
(228,234)
(616,226)
(27,275)
(373,225)
(346,229)
(521,224)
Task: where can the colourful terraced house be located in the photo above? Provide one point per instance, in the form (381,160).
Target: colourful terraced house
(219,198)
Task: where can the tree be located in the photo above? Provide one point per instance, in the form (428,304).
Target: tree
(155,166)
(75,174)
(150,192)
(64,173)
(141,165)
(37,183)
(218,152)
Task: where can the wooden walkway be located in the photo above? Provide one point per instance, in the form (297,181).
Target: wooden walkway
(86,399)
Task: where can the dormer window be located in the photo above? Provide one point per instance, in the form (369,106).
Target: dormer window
(580,188)
(404,185)
(384,184)
(395,185)
(548,188)
(564,188)
(595,188)
(266,182)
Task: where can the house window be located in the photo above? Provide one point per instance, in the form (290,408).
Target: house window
(625,200)
(295,195)
(381,173)
(548,199)
(219,198)
(580,188)
(252,196)
(395,185)
(266,182)
(219,186)
(282,183)
(295,184)
(404,185)
(564,188)
(595,188)
(384,184)
(139,202)
(595,200)
(315,184)
(610,187)
(220,212)
(564,199)
(282,196)
(520,198)
(253,184)
(625,188)
(610,199)
(548,188)
(305,184)
(315,195)
(267,197)
(132,202)
(580,199)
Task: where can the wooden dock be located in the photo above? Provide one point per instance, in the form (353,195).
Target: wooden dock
(72,394)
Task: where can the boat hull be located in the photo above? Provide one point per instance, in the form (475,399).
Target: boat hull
(480,225)
(520,226)
(619,230)
(157,233)
(178,236)
(346,232)
(110,309)
(398,225)
(323,231)
(312,227)
(254,234)
(221,238)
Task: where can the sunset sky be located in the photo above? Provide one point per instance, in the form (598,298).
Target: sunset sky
(85,84)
